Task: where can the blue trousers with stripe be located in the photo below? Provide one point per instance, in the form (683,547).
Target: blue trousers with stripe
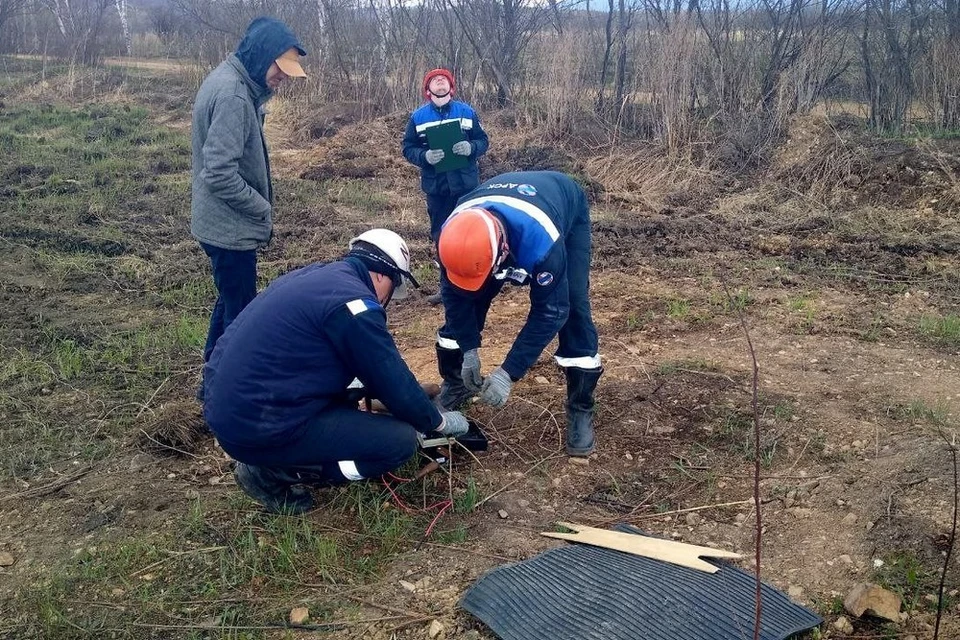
(339,438)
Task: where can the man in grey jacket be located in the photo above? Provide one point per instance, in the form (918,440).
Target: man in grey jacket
(232,203)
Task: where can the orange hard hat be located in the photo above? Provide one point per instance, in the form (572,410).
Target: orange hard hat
(470,247)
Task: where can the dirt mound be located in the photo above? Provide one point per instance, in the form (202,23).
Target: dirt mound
(839,161)
(359,150)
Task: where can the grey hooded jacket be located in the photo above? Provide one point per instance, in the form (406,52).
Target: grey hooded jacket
(232,194)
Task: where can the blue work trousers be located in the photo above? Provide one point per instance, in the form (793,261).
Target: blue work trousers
(340,443)
(235,276)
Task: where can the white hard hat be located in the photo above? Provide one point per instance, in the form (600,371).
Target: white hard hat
(393,246)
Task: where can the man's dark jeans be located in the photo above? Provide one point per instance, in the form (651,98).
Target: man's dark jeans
(235,275)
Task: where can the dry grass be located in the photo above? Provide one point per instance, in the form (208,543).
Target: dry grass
(176,428)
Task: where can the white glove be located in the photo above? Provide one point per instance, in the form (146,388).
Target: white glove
(462,148)
(433,156)
(454,424)
(496,388)
(470,371)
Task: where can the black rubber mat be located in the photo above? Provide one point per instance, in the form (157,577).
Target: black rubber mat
(579,592)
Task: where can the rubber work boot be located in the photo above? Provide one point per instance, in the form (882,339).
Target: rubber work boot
(276,490)
(581,384)
(452,392)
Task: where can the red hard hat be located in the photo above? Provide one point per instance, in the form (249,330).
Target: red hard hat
(469,247)
(433,74)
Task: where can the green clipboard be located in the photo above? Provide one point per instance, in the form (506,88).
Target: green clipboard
(444,136)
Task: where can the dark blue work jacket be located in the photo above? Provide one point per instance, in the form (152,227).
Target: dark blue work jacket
(538,210)
(296,347)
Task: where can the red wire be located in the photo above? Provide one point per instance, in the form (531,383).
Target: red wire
(443,505)
(446,505)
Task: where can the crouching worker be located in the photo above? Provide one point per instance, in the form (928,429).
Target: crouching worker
(276,383)
(526,228)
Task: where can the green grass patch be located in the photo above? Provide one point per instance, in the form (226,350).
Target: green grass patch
(919,410)
(219,570)
(358,194)
(87,159)
(734,429)
(678,309)
(941,330)
(736,302)
(637,320)
(230,564)
(911,577)
(671,367)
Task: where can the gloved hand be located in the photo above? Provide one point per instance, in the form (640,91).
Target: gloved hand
(433,156)
(454,424)
(470,371)
(462,148)
(496,388)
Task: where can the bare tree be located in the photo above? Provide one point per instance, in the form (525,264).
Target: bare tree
(10,9)
(890,44)
(619,13)
(499,31)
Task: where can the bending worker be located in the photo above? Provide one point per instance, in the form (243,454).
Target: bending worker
(277,382)
(526,228)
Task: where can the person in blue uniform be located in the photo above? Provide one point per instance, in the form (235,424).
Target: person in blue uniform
(276,392)
(528,228)
(443,188)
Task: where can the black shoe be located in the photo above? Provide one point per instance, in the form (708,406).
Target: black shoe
(276,490)
(452,392)
(435,300)
(581,384)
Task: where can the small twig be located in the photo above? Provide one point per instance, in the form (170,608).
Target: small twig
(340,624)
(719,505)
(714,374)
(625,517)
(408,613)
(167,446)
(952,446)
(515,481)
(47,488)
(802,451)
(175,554)
(754,400)
(502,441)
(553,417)
(150,399)
(408,623)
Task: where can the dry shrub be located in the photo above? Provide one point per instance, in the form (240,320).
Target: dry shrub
(175,428)
(746,141)
(558,87)
(819,156)
(671,69)
(301,122)
(644,175)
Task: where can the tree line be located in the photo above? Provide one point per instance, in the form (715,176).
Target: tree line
(672,71)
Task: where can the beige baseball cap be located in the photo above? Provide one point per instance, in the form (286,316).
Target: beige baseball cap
(289,63)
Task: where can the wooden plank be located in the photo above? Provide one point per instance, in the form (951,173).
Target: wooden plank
(679,553)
